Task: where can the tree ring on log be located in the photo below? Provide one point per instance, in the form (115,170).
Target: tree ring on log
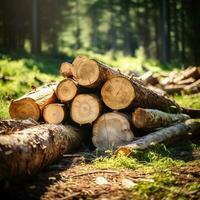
(66,90)
(87,73)
(118,93)
(111,130)
(54,113)
(85,109)
(24,108)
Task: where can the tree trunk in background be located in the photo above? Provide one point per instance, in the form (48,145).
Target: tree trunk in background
(168,31)
(78,30)
(163,31)
(176,31)
(127,37)
(182,31)
(156,29)
(35,29)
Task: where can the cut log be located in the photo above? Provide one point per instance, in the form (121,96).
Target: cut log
(151,118)
(54,113)
(169,79)
(193,72)
(186,81)
(25,152)
(79,59)
(10,125)
(66,90)
(160,136)
(120,93)
(192,88)
(85,108)
(148,78)
(111,130)
(157,90)
(171,89)
(92,73)
(66,70)
(30,105)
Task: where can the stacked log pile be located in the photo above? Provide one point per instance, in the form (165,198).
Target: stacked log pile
(186,81)
(117,107)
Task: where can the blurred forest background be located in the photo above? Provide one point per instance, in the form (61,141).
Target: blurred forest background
(165,30)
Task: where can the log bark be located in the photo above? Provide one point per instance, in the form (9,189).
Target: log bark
(120,93)
(54,113)
(66,90)
(193,113)
(151,118)
(31,105)
(85,108)
(160,136)
(10,125)
(111,130)
(66,70)
(24,152)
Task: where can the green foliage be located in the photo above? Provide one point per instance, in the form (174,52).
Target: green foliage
(192,101)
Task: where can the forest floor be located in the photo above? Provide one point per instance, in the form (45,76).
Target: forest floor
(162,172)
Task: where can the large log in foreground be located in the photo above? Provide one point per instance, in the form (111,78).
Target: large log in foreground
(111,130)
(8,126)
(31,104)
(25,152)
(120,93)
(151,118)
(162,135)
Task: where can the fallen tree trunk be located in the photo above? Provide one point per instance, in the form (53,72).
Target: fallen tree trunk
(25,152)
(30,105)
(120,93)
(10,125)
(111,130)
(66,90)
(85,108)
(54,113)
(160,136)
(151,119)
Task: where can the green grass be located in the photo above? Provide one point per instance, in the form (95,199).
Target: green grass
(25,73)
(157,165)
(191,101)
